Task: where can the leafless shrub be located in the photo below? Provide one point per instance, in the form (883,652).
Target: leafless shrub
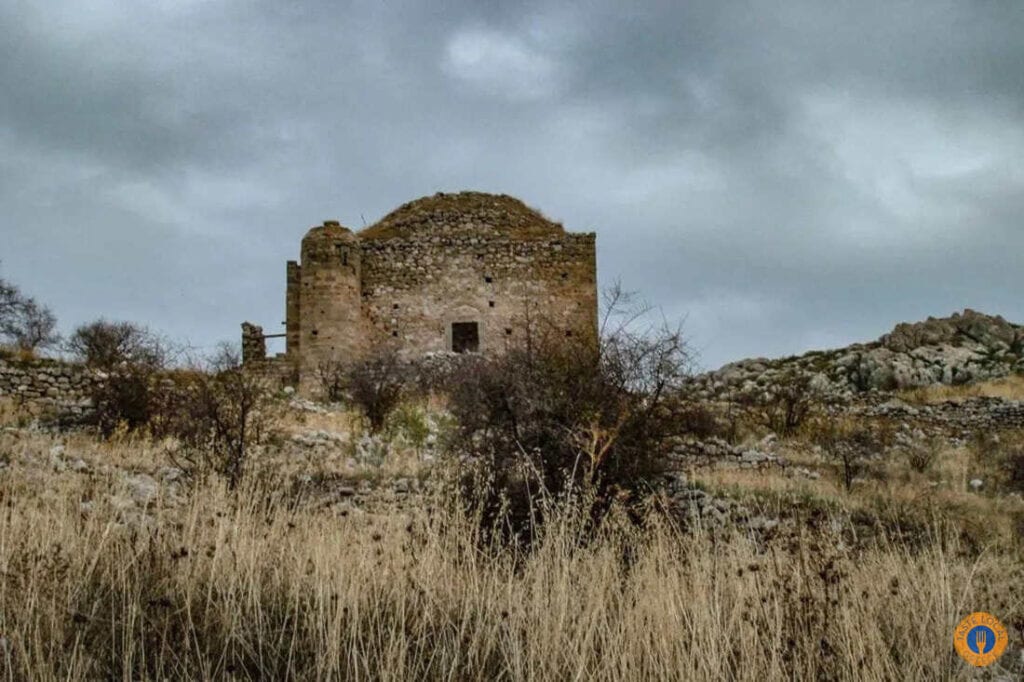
(218,420)
(24,322)
(784,406)
(10,298)
(34,327)
(375,384)
(922,456)
(125,399)
(226,355)
(331,378)
(558,415)
(215,411)
(134,361)
(851,444)
(1014,466)
(699,420)
(107,345)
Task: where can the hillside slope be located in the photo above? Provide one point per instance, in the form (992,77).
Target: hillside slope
(963,348)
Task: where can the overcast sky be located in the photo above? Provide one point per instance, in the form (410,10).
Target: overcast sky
(786,175)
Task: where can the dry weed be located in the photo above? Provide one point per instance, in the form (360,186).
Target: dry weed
(250,586)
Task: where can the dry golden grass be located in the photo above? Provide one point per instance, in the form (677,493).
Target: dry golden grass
(15,413)
(892,483)
(1010,388)
(253,587)
(338,421)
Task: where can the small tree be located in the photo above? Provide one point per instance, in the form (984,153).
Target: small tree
(10,298)
(222,417)
(1014,465)
(106,345)
(135,360)
(226,355)
(125,399)
(331,376)
(24,322)
(376,384)
(33,327)
(851,445)
(559,414)
(784,406)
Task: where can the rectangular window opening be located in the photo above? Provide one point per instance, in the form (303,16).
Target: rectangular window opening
(465,337)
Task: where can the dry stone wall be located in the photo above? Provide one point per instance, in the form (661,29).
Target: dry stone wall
(980,414)
(62,386)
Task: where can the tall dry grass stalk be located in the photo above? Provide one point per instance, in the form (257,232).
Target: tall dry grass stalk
(256,589)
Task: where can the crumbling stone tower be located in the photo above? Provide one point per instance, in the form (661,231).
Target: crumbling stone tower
(324,317)
(466,272)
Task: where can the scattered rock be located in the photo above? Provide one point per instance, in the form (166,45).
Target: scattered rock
(168,474)
(143,489)
(120,502)
(965,347)
(762,523)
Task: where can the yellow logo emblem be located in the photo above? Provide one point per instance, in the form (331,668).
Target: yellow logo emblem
(980,639)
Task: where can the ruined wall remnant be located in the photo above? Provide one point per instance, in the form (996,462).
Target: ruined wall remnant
(254,343)
(64,387)
(460,272)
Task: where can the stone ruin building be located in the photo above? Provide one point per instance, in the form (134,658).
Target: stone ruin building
(465,272)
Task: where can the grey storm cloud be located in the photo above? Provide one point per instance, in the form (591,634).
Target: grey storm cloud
(784,175)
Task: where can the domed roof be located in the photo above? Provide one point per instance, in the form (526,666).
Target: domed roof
(331,229)
(463,213)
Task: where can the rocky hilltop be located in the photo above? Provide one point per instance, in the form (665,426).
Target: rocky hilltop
(963,348)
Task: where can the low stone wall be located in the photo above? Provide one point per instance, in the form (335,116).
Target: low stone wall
(61,386)
(694,452)
(983,414)
(280,370)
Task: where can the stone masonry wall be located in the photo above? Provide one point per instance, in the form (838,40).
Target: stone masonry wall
(471,257)
(414,289)
(984,414)
(331,324)
(47,383)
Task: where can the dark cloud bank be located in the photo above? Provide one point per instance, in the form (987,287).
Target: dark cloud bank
(787,175)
